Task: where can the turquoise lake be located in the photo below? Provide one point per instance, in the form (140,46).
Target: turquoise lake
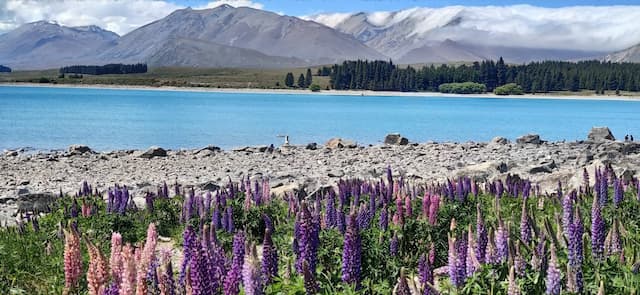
(107,119)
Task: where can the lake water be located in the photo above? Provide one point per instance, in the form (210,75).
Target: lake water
(106,119)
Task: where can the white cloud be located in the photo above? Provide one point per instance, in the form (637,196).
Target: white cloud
(118,16)
(600,28)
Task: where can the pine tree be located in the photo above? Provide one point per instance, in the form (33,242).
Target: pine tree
(288,80)
(301,81)
(308,78)
(501,72)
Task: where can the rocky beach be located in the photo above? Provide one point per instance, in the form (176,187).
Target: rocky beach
(28,178)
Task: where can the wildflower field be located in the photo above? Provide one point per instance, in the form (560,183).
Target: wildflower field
(387,236)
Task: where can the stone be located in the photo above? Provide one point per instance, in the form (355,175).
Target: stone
(545,167)
(529,139)
(209,186)
(208,149)
(600,134)
(153,152)
(395,139)
(36,202)
(78,149)
(482,171)
(499,140)
(11,153)
(336,174)
(338,143)
(312,146)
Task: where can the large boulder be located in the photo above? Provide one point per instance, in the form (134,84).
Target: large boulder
(499,140)
(78,149)
(600,134)
(338,143)
(529,139)
(395,139)
(153,152)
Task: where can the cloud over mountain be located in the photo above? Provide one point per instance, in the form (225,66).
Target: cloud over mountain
(589,28)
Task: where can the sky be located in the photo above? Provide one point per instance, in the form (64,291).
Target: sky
(572,17)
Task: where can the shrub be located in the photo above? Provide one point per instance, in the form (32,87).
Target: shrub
(509,89)
(314,88)
(463,88)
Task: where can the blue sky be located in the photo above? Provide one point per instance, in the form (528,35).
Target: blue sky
(306,7)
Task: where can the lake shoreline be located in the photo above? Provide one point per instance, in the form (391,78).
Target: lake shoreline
(308,168)
(326,92)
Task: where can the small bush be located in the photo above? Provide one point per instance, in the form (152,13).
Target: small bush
(314,88)
(463,88)
(509,89)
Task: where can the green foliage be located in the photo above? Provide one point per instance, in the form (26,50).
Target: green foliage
(314,88)
(302,82)
(31,261)
(509,89)
(288,80)
(462,88)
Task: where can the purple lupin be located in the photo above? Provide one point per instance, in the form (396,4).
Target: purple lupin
(597,230)
(351,253)
(232,281)
(269,258)
(481,236)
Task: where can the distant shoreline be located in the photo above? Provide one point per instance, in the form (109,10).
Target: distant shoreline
(325,92)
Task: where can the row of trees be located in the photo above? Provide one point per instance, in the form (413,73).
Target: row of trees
(106,69)
(303,81)
(4,69)
(533,77)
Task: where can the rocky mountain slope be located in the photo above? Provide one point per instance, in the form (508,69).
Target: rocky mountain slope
(42,45)
(631,54)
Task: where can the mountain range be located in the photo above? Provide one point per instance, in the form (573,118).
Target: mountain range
(251,38)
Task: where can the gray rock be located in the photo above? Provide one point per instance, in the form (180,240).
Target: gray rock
(336,173)
(529,139)
(545,167)
(338,143)
(629,148)
(209,186)
(37,202)
(312,146)
(499,140)
(11,153)
(600,134)
(395,139)
(78,149)
(153,152)
(207,149)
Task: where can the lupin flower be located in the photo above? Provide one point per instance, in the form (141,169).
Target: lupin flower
(308,239)
(128,278)
(597,230)
(518,262)
(111,290)
(167,285)
(188,243)
(481,236)
(472,263)
(148,255)
(115,260)
(394,245)
(567,214)
(310,284)
(251,275)
(72,260)
(98,273)
(425,272)
(618,192)
(402,288)
(269,258)
(553,279)
(613,243)
(384,218)
(457,260)
(502,242)
(351,253)
(433,209)
(232,281)
(513,289)
(525,226)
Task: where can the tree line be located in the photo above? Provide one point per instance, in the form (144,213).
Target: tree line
(304,81)
(532,77)
(4,69)
(106,69)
